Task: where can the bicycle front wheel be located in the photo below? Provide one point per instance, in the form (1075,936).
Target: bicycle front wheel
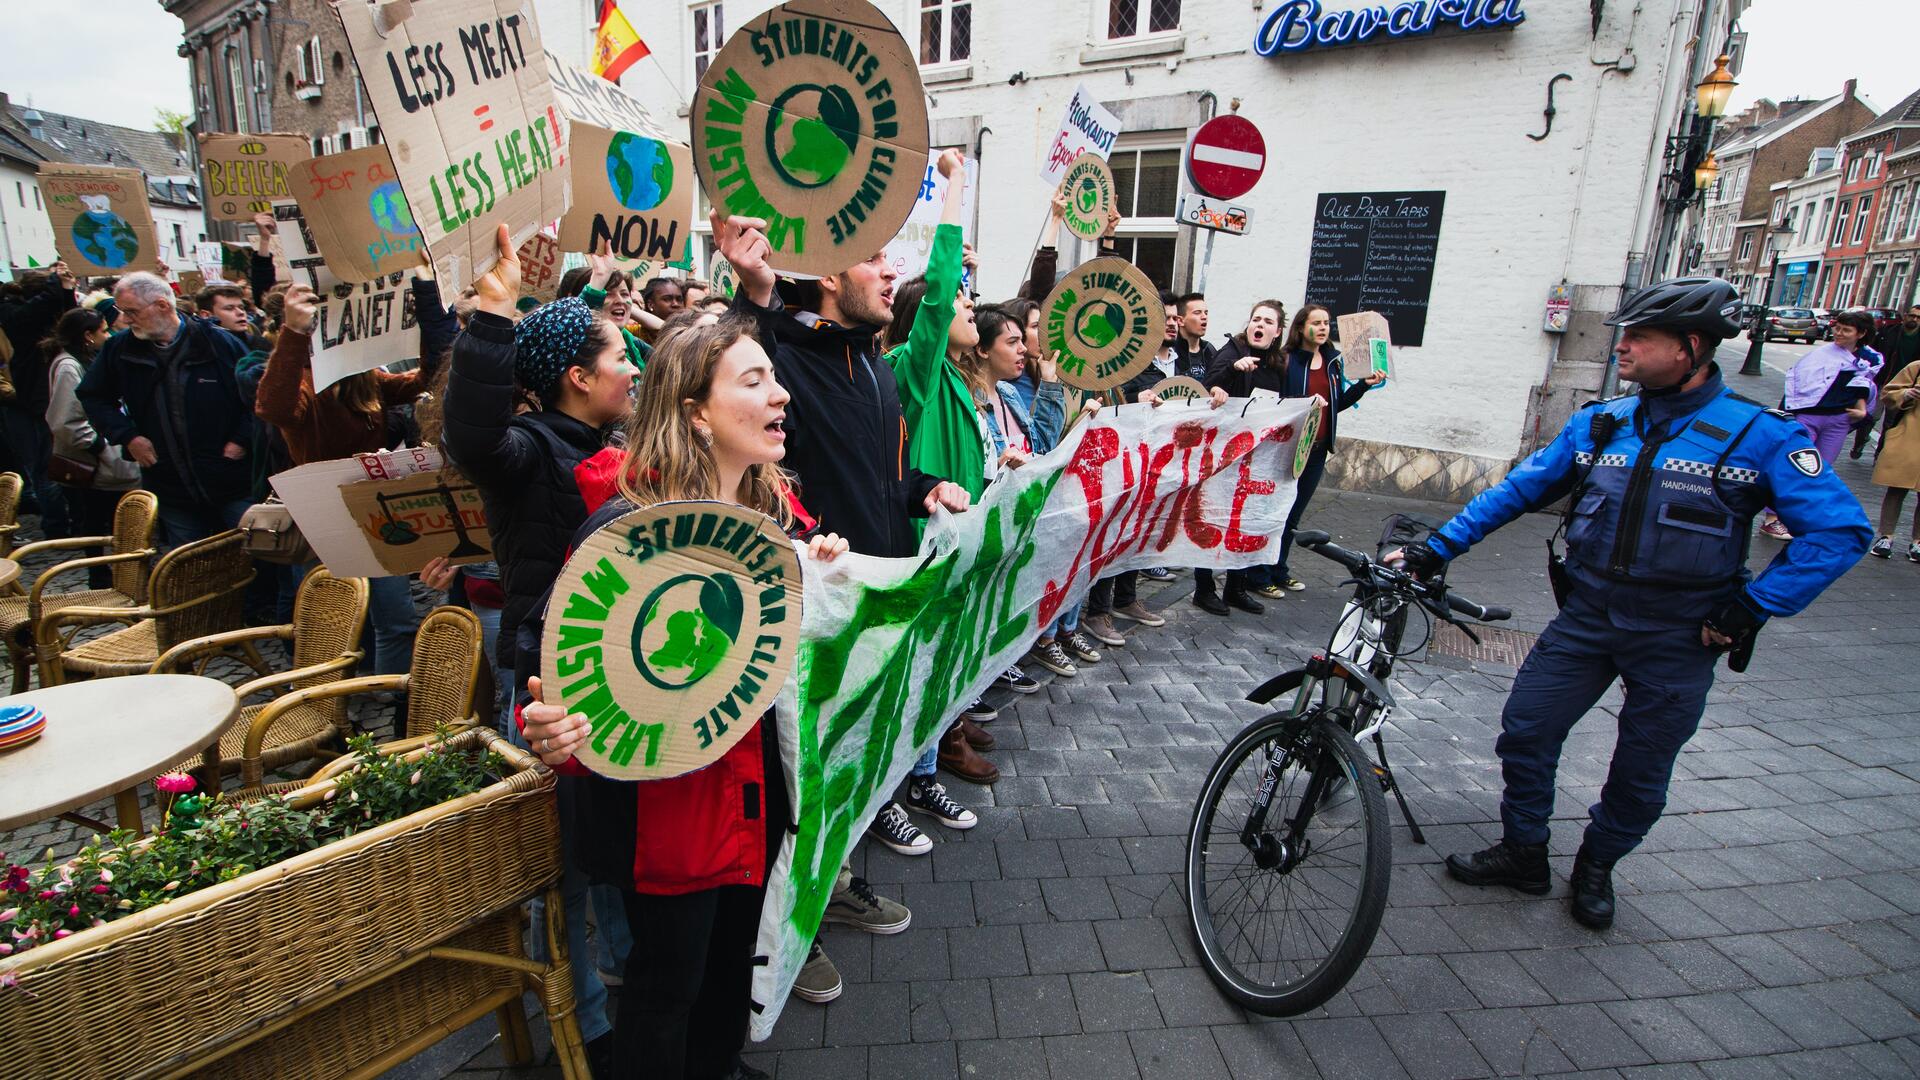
(1285,903)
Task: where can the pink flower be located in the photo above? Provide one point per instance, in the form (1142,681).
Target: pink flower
(98,889)
(73,912)
(170,886)
(106,874)
(48,894)
(58,934)
(10,914)
(5,949)
(174,783)
(415,778)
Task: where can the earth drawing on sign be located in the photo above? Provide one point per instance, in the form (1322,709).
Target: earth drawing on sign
(1088,195)
(389,209)
(812,133)
(704,619)
(103,236)
(639,170)
(1099,323)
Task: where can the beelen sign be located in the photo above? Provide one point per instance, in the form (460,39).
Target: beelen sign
(1299,25)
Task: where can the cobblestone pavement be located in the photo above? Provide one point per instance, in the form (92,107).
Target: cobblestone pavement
(1770,926)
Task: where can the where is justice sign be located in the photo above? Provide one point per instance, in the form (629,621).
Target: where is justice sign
(466,105)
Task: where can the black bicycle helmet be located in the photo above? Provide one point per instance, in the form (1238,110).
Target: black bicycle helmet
(1696,305)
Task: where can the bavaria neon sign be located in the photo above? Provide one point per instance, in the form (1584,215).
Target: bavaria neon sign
(1298,25)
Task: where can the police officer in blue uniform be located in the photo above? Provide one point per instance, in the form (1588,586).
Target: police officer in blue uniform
(1664,486)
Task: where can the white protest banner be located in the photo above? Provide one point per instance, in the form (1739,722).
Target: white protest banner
(375,515)
(360,326)
(890,650)
(908,252)
(466,105)
(207,258)
(1087,128)
(632,183)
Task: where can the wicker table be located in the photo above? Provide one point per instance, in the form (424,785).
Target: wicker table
(9,572)
(106,737)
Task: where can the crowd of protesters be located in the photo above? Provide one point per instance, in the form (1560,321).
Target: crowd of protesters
(611,397)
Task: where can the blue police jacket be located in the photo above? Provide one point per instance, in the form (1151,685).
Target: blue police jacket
(1658,536)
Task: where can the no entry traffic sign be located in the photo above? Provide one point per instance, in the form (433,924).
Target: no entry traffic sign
(1226,156)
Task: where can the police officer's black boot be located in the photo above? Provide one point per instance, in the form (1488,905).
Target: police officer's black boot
(1592,891)
(1517,866)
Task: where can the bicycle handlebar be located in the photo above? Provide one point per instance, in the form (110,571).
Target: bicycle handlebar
(1321,544)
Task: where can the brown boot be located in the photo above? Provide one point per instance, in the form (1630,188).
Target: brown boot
(977,737)
(958,758)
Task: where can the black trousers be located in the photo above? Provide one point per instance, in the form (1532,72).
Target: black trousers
(1120,590)
(683,1012)
(1203,582)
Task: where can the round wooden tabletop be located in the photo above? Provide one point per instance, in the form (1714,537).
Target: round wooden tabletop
(9,572)
(106,736)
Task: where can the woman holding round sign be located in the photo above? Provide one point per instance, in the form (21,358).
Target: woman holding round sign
(661,653)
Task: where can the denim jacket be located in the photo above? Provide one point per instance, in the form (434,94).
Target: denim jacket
(1043,426)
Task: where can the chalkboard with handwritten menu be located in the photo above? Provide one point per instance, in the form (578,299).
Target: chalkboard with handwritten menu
(1374,251)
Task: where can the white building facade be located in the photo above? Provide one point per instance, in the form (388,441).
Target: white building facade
(1806,207)
(1531,201)
(26,238)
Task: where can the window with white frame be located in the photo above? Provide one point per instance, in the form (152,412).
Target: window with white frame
(709,33)
(1779,210)
(1870,283)
(946,31)
(1840,224)
(1146,181)
(1132,18)
(1873,165)
(1913,217)
(308,70)
(1897,284)
(179,241)
(1843,293)
(1860,219)
(1746,247)
(1896,207)
(1853,169)
(1826,214)
(237,89)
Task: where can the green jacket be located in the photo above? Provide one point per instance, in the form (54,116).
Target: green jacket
(637,350)
(945,434)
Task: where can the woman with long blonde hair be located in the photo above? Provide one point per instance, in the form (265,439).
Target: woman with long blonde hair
(690,855)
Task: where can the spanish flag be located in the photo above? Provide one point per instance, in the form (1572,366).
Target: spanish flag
(615,47)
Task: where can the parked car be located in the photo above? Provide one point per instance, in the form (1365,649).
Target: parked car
(1750,312)
(1823,323)
(1790,324)
(1883,317)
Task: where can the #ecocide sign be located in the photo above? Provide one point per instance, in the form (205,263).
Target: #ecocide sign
(812,117)
(669,629)
(463,95)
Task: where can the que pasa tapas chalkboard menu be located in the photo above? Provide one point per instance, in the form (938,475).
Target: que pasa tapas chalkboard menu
(1374,251)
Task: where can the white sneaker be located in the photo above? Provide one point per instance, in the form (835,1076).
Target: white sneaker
(1882,548)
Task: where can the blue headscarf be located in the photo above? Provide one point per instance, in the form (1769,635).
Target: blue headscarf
(546,342)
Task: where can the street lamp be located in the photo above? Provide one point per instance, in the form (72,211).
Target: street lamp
(1779,238)
(1713,91)
(1705,173)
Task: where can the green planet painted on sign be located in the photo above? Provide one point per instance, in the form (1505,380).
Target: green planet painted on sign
(1103,321)
(1090,193)
(639,170)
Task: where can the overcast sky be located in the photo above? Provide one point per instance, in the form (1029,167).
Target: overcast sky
(118,62)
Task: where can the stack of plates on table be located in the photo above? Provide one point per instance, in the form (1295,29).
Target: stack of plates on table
(20,725)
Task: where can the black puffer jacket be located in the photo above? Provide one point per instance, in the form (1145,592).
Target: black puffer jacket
(26,320)
(523,466)
(846,438)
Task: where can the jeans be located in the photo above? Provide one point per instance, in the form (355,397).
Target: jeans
(614,939)
(1303,490)
(1067,623)
(183,522)
(31,445)
(1120,590)
(684,1012)
(1667,674)
(392,620)
(489,634)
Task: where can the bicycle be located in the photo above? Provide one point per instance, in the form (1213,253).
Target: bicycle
(1273,820)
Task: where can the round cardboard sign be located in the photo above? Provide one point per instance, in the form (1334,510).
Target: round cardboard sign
(1303,446)
(725,281)
(1179,388)
(812,117)
(1090,196)
(1103,322)
(672,629)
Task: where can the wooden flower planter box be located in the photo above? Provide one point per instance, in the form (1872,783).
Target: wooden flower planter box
(342,961)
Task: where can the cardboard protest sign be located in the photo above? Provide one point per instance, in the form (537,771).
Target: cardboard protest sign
(246,174)
(1309,434)
(389,513)
(725,280)
(1087,128)
(632,183)
(357,214)
(910,249)
(102,222)
(1367,342)
(812,117)
(1090,196)
(890,650)
(209,260)
(191,282)
(540,267)
(359,326)
(671,629)
(1103,322)
(1179,388)
(466,104)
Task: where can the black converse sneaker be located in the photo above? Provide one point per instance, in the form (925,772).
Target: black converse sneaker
(930,797)
(893,829)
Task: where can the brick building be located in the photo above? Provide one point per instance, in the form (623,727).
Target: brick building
(1888,238)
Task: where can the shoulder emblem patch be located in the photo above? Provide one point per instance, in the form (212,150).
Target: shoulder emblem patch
(1806,460)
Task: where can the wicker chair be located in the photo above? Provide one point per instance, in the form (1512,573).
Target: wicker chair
(130,547)
(439,686)
(10,485)
(329,614)
(195,590)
